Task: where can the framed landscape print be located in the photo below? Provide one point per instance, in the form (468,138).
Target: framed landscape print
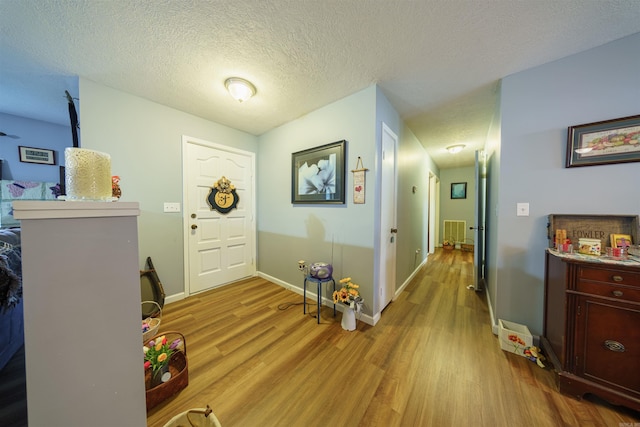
(318,174)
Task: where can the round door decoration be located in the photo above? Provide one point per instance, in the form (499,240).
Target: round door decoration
(223,197)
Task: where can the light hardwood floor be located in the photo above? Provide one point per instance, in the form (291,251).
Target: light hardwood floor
(431,360)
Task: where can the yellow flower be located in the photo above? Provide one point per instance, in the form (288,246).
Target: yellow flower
(162,357)
(159,346)
(345,280)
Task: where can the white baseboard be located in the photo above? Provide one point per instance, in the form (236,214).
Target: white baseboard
(410,278)
(173,298)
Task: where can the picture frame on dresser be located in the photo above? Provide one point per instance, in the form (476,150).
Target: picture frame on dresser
(605,142)
(621,241)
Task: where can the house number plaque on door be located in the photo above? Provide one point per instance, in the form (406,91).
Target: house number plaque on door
(223,197)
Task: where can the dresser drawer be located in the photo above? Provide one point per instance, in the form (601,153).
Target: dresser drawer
(613,276)
(619,292)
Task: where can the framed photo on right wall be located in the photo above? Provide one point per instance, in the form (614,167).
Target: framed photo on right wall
(459,190)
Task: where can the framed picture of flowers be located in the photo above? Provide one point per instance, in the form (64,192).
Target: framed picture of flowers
(318,174)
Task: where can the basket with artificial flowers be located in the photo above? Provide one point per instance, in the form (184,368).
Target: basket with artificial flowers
(165,364)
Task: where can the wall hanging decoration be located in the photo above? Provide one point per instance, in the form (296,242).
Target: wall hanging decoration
(36,155)
(223,196)
(318,174)
(359,179)
(459,190)
(602,143)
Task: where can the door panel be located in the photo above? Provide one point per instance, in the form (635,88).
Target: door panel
(388,228)
(479,231)
(220,247)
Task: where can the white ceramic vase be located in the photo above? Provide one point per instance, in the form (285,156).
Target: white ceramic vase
(348,319)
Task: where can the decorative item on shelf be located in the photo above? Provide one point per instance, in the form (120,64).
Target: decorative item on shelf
(87,175)
(621,240)
(589,246)
(349,295)
(116,192)
(166,370)
(359,180)
(223,196)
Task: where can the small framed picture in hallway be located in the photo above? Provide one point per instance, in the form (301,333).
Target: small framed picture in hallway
(459,190)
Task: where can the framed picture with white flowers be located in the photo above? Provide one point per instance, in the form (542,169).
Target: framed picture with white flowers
(318,174)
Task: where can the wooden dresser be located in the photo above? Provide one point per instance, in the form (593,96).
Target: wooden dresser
(591,329)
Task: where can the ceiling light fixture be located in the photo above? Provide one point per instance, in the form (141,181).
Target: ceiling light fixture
(240,89)
(453,149)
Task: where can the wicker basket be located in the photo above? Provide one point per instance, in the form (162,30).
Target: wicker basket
(153,322)
(199,417)
(178,367)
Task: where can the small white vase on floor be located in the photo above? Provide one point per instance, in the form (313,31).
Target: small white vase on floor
(348,319)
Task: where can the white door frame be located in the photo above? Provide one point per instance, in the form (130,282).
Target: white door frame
(434,207)
(384,233)
(185,214)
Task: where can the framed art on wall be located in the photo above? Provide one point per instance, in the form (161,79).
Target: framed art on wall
(602,143)
(459,190)
(318,174)
(36,155)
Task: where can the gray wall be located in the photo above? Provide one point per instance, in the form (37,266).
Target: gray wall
(339,234)
(537,106)
(345,235)
(457,209)
(144,140)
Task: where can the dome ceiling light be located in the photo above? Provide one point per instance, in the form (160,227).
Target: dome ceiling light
(240,89)
(453,149)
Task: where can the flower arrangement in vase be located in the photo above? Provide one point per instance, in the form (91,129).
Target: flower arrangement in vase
(350,295)
(157,355)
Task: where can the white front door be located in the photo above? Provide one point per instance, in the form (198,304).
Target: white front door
(220,247)
(388,230)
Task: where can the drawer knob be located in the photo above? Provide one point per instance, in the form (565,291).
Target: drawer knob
(614,346)
(617,293)
(617,278)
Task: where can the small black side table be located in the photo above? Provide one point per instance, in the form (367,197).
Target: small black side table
(319,283)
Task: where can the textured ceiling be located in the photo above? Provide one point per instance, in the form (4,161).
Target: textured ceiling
(438,61)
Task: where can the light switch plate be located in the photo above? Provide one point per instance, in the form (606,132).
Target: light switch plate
(522,209)
(171,207)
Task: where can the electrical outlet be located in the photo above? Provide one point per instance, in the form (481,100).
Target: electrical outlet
(171,207)
(522,209)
